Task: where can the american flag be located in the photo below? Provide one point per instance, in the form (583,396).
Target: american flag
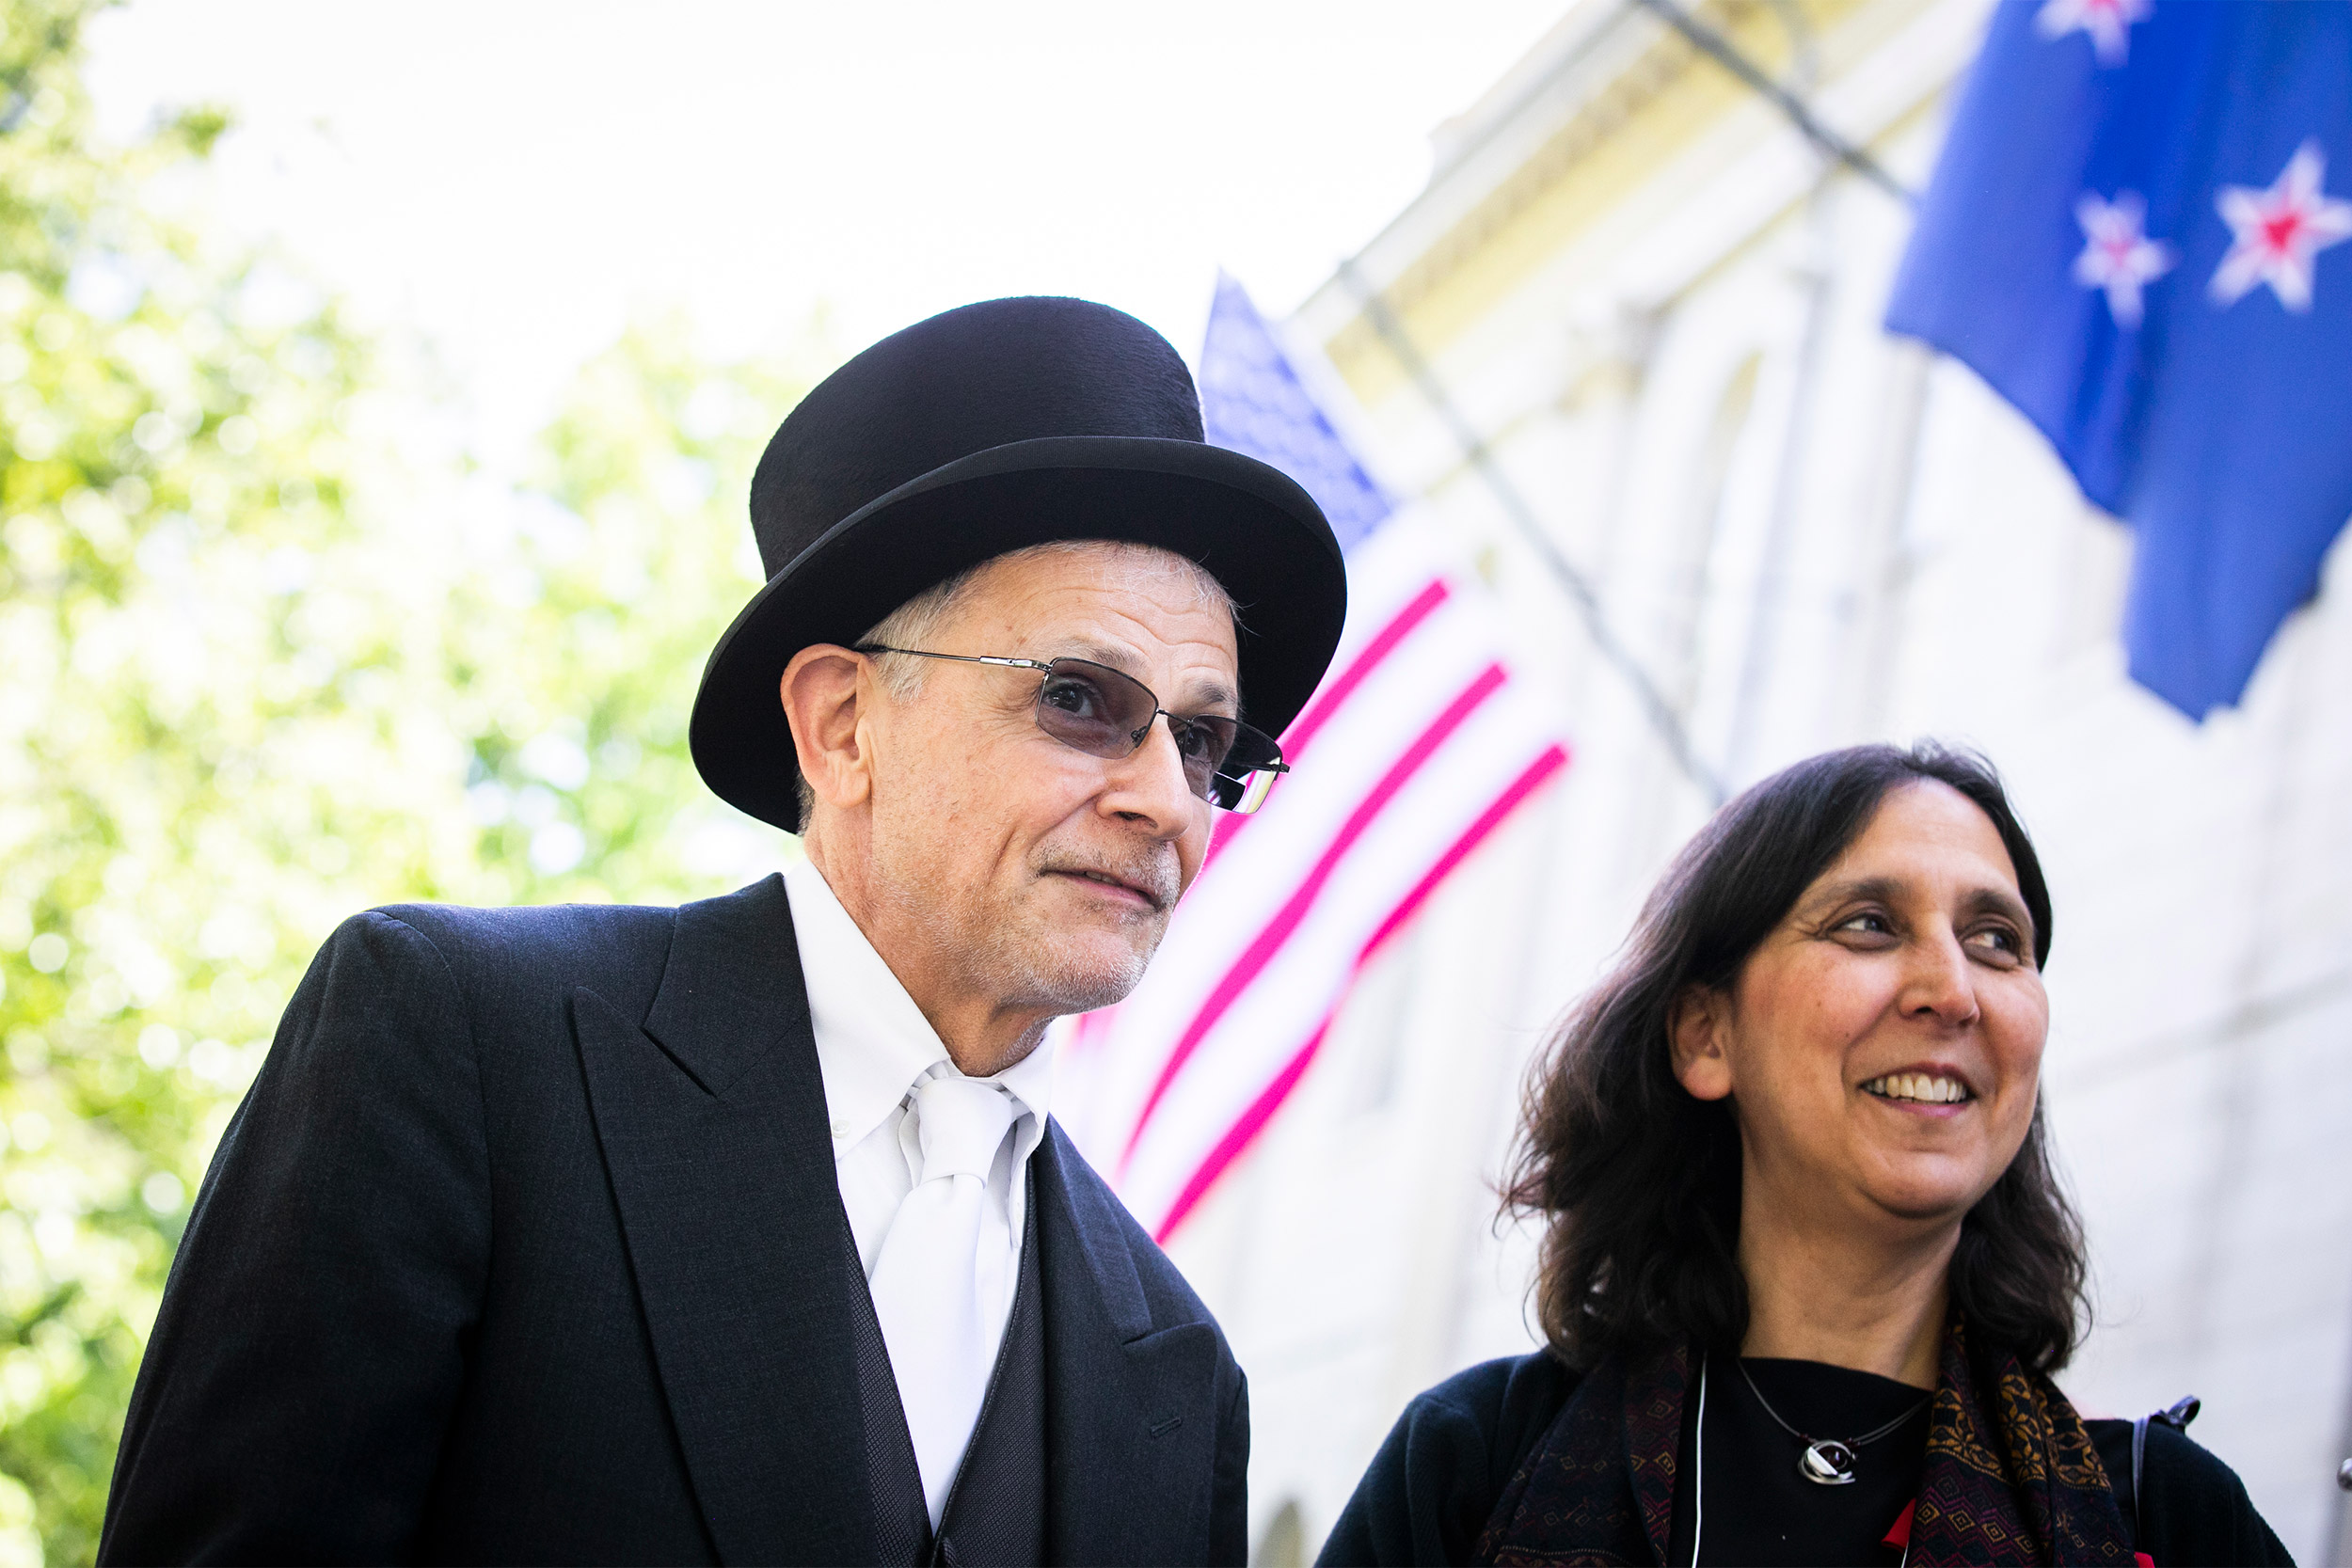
(1418,746)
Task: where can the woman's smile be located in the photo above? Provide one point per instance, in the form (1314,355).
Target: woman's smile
(1923,1090)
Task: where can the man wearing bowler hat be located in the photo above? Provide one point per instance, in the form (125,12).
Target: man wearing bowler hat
(741,1232)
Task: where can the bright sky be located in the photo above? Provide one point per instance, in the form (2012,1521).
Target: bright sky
(514,177)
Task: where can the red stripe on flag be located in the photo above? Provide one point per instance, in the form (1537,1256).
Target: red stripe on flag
(1370,658)
(1241,1135)
(1252,1121)
(1326,701)
(1268,942)
(1553,759)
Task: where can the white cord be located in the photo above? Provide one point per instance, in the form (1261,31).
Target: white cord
(1699,1469)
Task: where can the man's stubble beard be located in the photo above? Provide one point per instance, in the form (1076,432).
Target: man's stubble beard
(1000,955)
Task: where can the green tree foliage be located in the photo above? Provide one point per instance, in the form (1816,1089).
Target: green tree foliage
(261,667)
(573,645)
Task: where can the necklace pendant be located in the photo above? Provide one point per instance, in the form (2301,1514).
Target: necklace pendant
(1827,1462)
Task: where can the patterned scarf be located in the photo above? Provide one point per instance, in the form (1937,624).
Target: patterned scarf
(2011,1477)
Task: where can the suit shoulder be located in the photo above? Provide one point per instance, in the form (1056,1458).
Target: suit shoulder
(608,947)
(521,929)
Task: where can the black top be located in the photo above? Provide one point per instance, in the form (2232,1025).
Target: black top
(1760,1510)
(1429,1490)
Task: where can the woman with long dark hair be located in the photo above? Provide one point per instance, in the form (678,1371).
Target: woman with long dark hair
(1806,1269)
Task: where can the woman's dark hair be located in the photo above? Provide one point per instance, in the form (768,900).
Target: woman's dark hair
(1639,1181)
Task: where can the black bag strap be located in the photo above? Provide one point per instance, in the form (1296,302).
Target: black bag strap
(2140,1450)
(2177,1418)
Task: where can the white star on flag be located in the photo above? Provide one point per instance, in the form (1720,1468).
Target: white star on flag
(2277,231)
(2117,255)
(2107,22)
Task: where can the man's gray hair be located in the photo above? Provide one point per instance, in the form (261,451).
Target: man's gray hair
(916,623)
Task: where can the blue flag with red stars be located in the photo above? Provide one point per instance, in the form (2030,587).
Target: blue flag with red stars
(2135,236)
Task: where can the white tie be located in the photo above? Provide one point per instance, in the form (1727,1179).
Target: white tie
(927,1283)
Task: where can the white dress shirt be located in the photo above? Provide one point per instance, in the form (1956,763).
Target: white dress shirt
(873,1044)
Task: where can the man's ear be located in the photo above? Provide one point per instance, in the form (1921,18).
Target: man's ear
(825,698)
(1697,1029)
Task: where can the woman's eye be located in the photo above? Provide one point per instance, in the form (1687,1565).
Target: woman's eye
(2000,939)
(1868,923)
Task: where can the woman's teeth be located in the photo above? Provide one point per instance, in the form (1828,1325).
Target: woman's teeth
(1919,1086)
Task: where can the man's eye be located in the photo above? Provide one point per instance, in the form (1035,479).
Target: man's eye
(1074,695)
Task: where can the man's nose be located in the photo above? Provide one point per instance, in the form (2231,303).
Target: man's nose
(1149,787)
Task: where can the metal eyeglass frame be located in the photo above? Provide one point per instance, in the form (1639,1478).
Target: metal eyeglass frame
(1247,800)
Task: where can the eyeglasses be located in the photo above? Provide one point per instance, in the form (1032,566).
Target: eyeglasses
(1095,709)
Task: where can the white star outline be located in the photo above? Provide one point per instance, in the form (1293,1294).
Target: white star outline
(2278,232)
(2117,255)
(2107,22)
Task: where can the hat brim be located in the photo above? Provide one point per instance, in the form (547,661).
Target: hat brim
(1246,523)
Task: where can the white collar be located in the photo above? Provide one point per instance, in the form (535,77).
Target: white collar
(872,1041)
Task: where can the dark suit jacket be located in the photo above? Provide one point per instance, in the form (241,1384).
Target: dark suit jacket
(526,1246)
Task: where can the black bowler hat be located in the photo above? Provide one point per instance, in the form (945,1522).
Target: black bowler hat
(988,429)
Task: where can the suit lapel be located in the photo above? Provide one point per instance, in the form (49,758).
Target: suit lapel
(712,1116)
(1130,1435)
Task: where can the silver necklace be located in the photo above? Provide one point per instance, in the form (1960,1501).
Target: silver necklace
(1828,1461)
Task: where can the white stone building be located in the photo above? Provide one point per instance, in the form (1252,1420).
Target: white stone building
(1660,306)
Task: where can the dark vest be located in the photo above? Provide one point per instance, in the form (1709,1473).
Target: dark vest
(995,1510)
